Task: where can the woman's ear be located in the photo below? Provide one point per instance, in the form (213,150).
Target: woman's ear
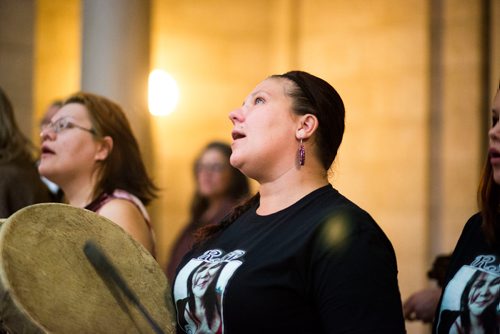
(308,124)
(104,148)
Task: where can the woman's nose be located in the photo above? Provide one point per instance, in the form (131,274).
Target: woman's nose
(494,132)
(46,133)
(235,115)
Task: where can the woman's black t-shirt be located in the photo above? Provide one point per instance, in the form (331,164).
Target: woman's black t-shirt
(321,265)
(471,292)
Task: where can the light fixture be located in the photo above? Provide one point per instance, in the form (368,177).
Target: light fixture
(163,93)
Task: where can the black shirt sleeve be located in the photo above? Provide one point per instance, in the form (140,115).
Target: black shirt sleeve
(354,277)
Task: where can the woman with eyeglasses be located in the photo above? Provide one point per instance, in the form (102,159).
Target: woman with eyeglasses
(89,150)
(20,183)
(218,188)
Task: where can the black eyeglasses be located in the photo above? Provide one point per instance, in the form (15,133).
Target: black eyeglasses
(63,124)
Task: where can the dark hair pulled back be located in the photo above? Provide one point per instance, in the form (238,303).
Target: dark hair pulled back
(310,95)
(313,95)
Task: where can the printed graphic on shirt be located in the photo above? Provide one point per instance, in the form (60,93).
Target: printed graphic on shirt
(199,290)
(471,299)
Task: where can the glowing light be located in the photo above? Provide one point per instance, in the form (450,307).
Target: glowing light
(163,93)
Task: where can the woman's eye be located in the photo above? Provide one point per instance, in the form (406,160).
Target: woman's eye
(64,125)
(60,126)
(494,121)
(259,100)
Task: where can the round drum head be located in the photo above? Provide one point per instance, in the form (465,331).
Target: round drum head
(53,287)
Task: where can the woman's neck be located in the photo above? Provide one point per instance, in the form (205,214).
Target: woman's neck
(476,324)
(78,193)
(288,189)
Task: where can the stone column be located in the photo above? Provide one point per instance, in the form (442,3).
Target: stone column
(16,58)
(115,58)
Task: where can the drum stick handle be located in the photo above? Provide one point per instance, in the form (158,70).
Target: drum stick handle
(107,270)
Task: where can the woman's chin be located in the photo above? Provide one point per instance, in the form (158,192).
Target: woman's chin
(235,161)
(46,173)
(42,170)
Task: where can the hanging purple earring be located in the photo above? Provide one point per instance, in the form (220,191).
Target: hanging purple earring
(302,153)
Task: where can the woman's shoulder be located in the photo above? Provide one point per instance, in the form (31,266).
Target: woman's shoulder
(121,209)
(340,217)
(326,212)
(471,232)
(474,222)
(330,203)
(121,200)
(128,215)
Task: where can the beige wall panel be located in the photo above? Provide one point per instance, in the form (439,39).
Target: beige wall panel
(16,58)
(495,49)
(57,53)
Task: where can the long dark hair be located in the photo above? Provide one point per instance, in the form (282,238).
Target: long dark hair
(310,95)
(489,202)
(123,168)
(238,184)
(13,143)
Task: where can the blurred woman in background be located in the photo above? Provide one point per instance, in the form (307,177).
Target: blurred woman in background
(219,187)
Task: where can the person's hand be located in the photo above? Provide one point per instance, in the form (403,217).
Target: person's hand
(422,305)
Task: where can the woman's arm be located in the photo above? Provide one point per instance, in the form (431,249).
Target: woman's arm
(125,214)
(422,305)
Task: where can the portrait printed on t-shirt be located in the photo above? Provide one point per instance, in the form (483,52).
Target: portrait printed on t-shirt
(199,290)
(471,299)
